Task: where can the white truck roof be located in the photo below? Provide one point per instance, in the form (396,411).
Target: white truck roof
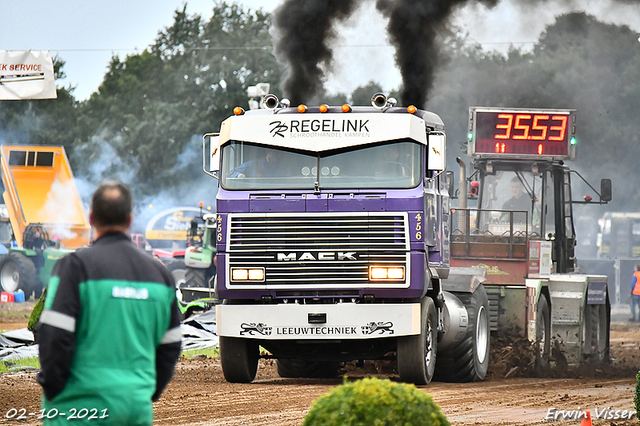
(315,131)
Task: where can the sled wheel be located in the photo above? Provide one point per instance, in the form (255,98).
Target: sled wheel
(543,334)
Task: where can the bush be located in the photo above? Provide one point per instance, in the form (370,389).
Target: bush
(636,398)
(375,402)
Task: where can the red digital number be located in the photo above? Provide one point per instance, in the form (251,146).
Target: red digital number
(500,147)
(562,128)
(506,126)
(520,126)
(543,129)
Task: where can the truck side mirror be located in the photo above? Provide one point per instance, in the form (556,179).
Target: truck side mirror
(436,157)
(211,152)
(605,189)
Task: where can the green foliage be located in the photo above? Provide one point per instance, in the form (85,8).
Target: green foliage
(151,105)
(208,352)
(362,95)
(37,311)
(375,402)
(20,365)
(636,397)
(578,63)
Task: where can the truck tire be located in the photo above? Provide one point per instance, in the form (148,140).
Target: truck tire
(18,272)
(239,359)
(416,355)
(468,361)
(543,334)
(300,368)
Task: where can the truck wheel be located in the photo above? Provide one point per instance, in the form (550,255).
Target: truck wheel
(18,272)
(468,361)
(300,368)
(543,334)
(239,359)
(416,355)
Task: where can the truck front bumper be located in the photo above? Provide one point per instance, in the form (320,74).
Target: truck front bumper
(294,321)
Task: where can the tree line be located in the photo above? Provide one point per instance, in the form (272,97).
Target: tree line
(145,121)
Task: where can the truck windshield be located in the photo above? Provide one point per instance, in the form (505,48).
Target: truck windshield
(386,165)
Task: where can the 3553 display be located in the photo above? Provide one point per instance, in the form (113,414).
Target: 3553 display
(527,133)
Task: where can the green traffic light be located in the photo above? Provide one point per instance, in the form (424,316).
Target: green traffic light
(470,136)
(573,141)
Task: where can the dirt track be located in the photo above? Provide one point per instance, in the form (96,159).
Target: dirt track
(198,395)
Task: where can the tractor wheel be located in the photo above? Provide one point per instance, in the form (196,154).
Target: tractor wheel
(300,368)
(193,278)
(468,361)
(416,355)
(18,272)
(543,335)
(178,271)
(239,359)
(596,333)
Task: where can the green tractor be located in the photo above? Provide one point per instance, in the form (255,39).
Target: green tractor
(29,267)
(195,274)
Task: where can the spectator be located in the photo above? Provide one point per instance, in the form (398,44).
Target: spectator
(635,294)
(109,334)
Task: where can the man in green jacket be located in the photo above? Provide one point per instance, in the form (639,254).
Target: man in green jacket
(109,334)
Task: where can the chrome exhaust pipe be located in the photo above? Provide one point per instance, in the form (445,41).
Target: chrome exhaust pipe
(379,100)
(270,102)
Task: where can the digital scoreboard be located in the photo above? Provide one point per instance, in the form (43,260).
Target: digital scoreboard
(522,133)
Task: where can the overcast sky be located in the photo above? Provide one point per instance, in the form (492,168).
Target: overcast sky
(87,33)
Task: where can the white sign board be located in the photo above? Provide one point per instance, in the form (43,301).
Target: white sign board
(26,75)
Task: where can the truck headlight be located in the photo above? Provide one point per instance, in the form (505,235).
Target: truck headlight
(395,273)
(242,274)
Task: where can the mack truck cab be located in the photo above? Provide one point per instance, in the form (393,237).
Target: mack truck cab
(333,244)
(518,226)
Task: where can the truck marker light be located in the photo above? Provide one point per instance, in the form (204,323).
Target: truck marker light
(238,110)
(324,108)
(346,108)
(302,108)
(411,109)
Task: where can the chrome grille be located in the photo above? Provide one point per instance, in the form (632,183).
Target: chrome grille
(318,250)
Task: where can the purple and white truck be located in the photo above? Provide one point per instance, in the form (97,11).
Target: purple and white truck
(333,244)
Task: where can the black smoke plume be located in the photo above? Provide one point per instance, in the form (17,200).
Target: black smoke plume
(303,30)
(413,29)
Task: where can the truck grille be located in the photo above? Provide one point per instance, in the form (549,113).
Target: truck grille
(323,250)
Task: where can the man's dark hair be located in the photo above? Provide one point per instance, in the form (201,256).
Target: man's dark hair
(111,204)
